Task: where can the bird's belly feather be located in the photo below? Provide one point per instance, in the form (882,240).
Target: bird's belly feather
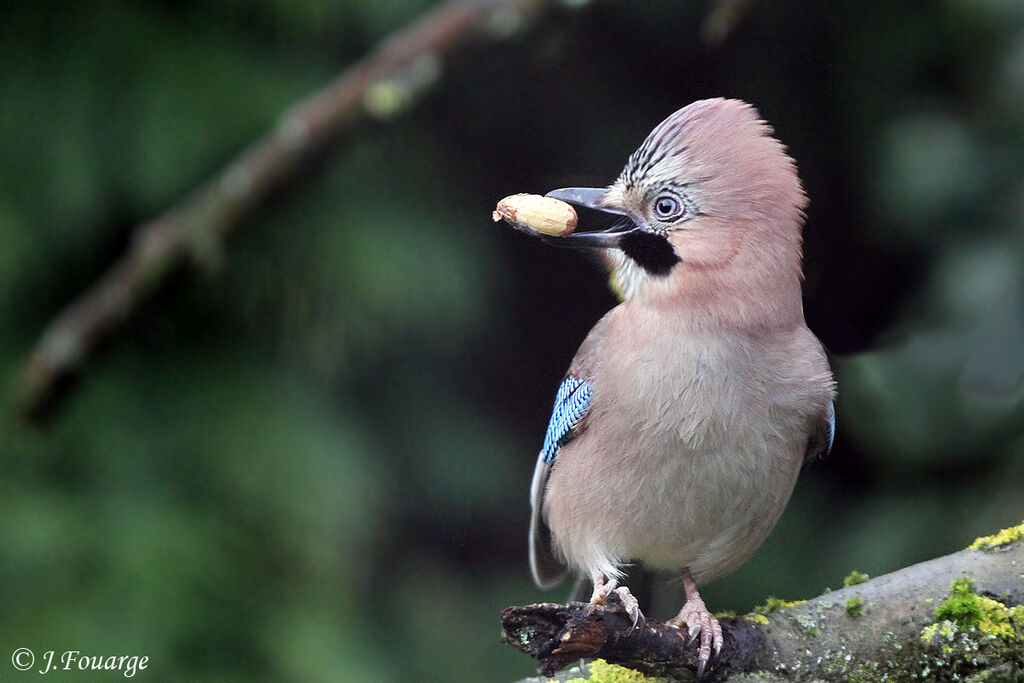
(699,466)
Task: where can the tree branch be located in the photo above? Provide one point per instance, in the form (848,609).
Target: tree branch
(881,634)
(380,86)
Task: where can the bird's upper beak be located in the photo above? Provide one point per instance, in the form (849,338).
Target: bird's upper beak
(592,198)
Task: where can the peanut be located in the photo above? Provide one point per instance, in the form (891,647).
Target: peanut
(536,214)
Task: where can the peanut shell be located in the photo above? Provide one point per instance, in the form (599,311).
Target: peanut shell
(537,214)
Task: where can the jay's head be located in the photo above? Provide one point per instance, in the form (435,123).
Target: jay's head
(710,202)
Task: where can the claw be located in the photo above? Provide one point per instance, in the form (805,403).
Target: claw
(699,621)
(630,604)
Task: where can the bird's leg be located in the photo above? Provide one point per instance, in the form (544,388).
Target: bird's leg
(603,586)
(699,620)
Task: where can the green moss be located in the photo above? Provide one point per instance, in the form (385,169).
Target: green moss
(964,609)
(961,607)
(854,578)
(1005,537)
(757,618)
(855,606)
(603,672)
(775,604)
(970,633)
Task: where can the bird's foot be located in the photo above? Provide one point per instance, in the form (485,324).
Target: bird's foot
(699,621)
(602,589)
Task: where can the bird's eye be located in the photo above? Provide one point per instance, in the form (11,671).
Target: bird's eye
(667,207)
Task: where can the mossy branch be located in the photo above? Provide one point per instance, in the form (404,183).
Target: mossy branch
(381,86)
(899,629)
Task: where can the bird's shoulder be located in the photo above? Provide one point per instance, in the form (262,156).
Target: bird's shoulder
(587,356)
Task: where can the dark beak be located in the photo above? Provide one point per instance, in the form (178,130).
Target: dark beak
(591,198)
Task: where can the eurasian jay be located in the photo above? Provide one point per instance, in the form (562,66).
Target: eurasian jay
(680,428)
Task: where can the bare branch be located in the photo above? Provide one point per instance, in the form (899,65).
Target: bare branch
(821,639)
(380,86)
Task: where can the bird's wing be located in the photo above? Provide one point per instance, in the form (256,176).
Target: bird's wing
(823,429)
(824,434)
(567,421)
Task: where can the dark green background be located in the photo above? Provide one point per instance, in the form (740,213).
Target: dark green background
(312,464)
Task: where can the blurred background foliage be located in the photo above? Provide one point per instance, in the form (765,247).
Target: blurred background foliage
(312,464)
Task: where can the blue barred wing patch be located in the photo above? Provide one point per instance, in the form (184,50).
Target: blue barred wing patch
(571,404)
(831,427)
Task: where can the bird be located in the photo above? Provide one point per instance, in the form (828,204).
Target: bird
(685,417)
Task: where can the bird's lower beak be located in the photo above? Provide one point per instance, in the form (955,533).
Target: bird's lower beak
(591,198)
